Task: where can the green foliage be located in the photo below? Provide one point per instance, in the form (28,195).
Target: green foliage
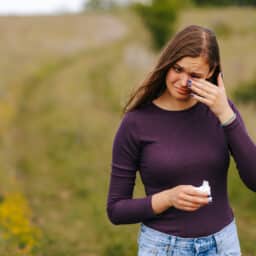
(99,4)
(222,29)
(159,17)
(225,2)
(246,92)
(15,225)
(67,111)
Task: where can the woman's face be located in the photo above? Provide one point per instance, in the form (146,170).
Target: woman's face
(183,70)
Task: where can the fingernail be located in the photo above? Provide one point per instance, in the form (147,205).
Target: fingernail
(192,94)
(189,83)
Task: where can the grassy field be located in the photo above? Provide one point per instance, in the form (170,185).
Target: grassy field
(63,82)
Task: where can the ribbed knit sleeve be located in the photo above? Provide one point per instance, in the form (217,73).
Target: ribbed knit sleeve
(122,208)
(242,148)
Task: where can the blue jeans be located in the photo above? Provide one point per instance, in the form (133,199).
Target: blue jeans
(223,243)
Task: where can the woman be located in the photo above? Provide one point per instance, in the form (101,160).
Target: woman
(178,130)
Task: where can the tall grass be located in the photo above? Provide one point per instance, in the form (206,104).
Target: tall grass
(67,109)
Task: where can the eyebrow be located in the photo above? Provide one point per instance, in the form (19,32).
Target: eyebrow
(192,73)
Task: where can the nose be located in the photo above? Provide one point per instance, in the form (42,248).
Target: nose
(184,79)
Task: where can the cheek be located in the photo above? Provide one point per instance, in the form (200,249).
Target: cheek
(172,78)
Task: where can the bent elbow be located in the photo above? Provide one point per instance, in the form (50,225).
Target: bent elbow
(250,183)
(252,187)
(112,216)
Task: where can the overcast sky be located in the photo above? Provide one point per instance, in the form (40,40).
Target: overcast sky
(39,6)
(31,7)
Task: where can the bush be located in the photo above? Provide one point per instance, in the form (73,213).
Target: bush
(246,92)
(225,2)
(159,18)
(16,228)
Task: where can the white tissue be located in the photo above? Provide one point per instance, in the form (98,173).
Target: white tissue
(205,187)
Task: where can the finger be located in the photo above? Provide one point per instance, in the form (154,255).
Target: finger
(188,202)
(189,209)
(198,200)
(206,101)
(192,207)
(192,191)
(204,85)
(220,80)
(202,93)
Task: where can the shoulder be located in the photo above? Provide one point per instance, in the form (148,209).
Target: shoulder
(136,116)
(129,123)
(129,128)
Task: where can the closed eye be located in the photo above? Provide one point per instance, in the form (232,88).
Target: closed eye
(177,69)
(195,76)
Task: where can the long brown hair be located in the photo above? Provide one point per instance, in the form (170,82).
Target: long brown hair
(192,41)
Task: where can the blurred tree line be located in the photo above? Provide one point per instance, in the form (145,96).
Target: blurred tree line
(100,4)
(160,16)
(225,2)
(105,4)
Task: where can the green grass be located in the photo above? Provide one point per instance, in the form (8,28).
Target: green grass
(67,107)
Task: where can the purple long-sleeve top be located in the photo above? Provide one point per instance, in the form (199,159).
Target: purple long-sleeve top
(171,148)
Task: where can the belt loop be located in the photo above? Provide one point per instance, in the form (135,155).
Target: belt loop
(216,243)
(173,241)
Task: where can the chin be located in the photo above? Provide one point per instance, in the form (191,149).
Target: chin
(182,97)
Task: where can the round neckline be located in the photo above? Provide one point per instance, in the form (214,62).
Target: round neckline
(185,110)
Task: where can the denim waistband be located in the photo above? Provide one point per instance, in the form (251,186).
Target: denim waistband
(159,236)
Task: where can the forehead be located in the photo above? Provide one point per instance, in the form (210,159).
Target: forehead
(194,64)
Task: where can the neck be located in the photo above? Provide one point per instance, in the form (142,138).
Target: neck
(166,101)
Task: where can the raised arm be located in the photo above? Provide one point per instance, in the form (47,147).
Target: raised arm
(242,148)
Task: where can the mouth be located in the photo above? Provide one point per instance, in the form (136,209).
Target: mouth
(182,91)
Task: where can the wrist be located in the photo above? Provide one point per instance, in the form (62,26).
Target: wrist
(161,202)
(167,198)
(230,120)
(227,117)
